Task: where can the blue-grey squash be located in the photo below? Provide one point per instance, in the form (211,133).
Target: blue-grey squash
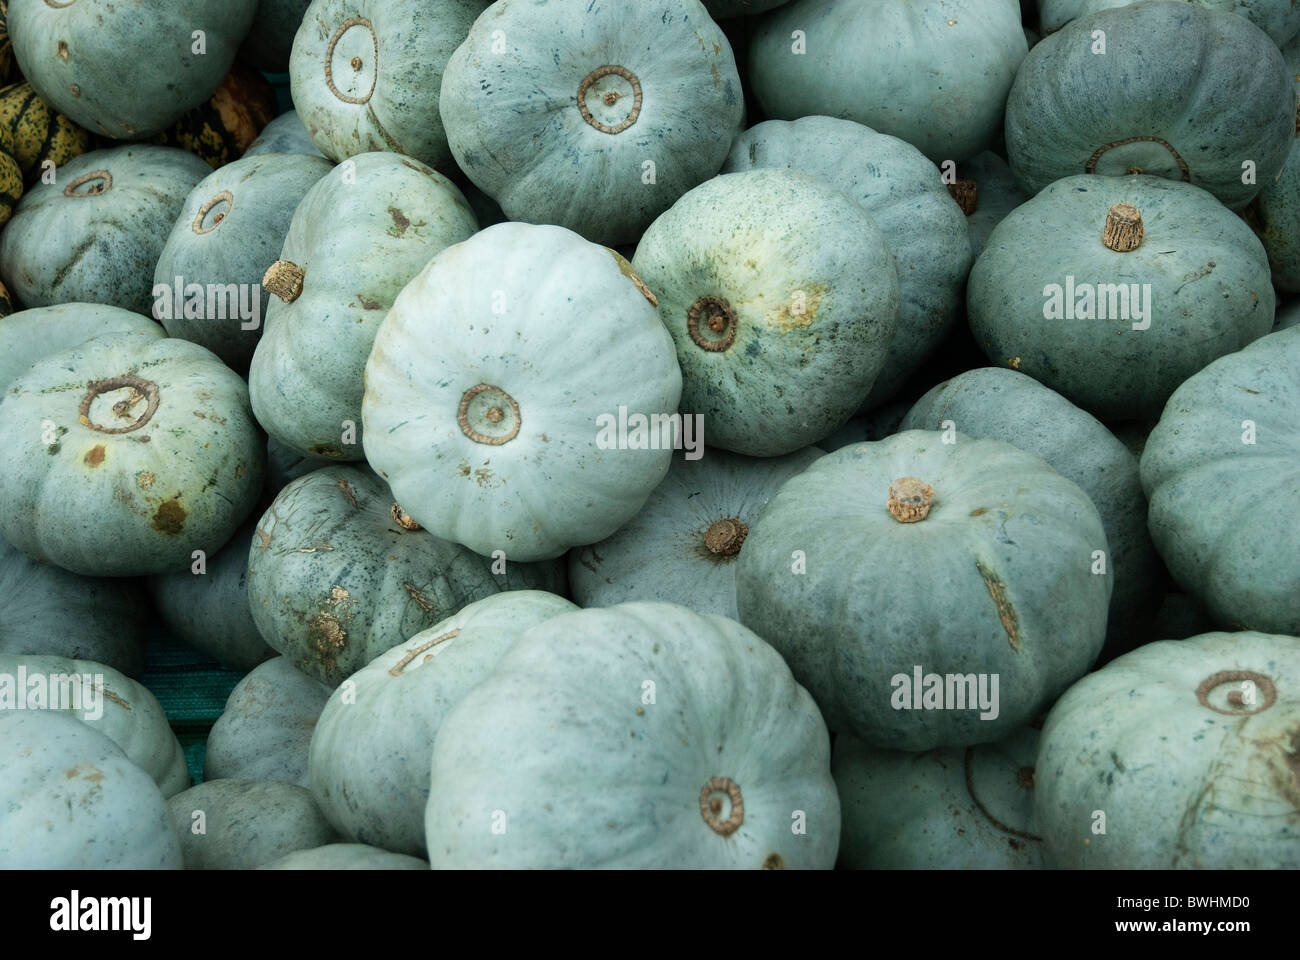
(269,41)
(1221,472)
(237,824)
(1167,95)
(208,279)
(365,74)
(51,612)
(782,298)
(70,799)
(126,454)
(953,808)
(369,759)
(685,731)
(906,197)
(903,579)
(1114,290)
(29,335)
(986,192)
(338,573)
(932,72)
(105,700)
(284,134)
(595,117)
(95,234)
(359,234)
(206,607)
(1179,755)
(1005,405)
(683,545)
(345,856)
(267,725)
(127,71)
(1280,19)
(498,394)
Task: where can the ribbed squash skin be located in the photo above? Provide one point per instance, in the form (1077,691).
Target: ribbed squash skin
(39,132)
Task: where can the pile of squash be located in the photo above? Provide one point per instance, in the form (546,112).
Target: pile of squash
(666,434)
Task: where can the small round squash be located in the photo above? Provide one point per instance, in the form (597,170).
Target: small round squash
(49,611)
(932,72)
(1221,472)
(369,760)
(208,279)
(71,800)
(1005,405)
(127,72)
(900,188)
(592,116)
(127,454)
(359,234)
(638,736)
(902,579)
(267,726)
(683,545)
(95,234)
(338,573)
(947,809)
(500,404)
(365,74)
(782,298)
(1114,290)
(246,823)
(107,701)
(1167,95)
(1179,755)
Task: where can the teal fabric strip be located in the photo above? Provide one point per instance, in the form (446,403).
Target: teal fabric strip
(192,689)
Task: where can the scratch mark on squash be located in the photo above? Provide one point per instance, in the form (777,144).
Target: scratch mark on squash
(1006,613)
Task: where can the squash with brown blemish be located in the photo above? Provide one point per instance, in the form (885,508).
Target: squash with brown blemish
(905,195)
(113,210)
(342,264)
(72,799)
(1184,754)
(87,426)
(87,64)
(334,579)
(118,707)
(967,558)
(782,298)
